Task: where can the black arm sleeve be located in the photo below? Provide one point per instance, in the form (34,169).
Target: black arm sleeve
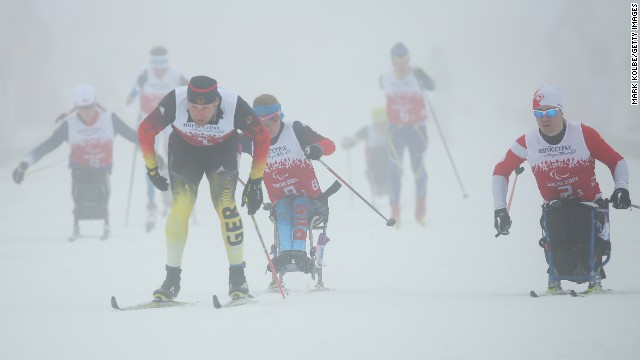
(246,144)
(123,129)
(361,134)
(166,109)
(142,79)
(426,82)
(306,136)
(243,112)
(60,135)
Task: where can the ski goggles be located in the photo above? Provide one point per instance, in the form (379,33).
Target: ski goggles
(550,113)
(159,62)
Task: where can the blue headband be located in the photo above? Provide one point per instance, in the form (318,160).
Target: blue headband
(266,110)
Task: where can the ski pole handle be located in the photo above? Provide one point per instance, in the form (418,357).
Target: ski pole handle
(33,171)
(446,147)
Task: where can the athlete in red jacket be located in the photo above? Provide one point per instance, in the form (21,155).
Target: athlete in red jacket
(562,157)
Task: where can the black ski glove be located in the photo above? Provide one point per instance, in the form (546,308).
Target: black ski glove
(252,195)
(159,181)
(619,198)
(313,152)
(18,173)
(502,221)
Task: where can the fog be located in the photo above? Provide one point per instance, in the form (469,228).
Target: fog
(448,290)
(321,59)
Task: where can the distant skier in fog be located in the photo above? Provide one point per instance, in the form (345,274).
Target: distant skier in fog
(407,114)
(375,139)
(562,156)
(151,85)
(90,131)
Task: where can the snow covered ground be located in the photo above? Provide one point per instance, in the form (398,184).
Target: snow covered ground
(449,290)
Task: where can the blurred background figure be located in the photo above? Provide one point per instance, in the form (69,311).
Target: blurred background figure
(374,136)
(151,85)
(89,130)
(407,115)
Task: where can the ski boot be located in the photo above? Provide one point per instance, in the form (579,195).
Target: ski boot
(395,213)
(238,287)
(76,232)
(554,287)
(106,232)
(273,285)
(421,211)
(151,215)
(595,285)
(280,262)
(171,285)
(302,261)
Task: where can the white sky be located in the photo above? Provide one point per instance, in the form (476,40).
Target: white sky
(323,59)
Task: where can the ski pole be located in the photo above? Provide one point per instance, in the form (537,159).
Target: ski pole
(30,172)
(390,222)
(350,174)
(60,117)
(266,253)
(631,205)
(133,172)
(519,171)
(63,115)
(455,170)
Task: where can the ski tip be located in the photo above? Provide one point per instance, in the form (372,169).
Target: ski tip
(114,303)
(533,294)
(216,302)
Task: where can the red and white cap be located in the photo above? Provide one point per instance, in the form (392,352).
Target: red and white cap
(547,95)
(84,95)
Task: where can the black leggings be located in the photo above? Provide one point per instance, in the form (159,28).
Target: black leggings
(90,189)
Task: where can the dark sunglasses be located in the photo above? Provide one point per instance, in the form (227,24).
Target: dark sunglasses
(550,113)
